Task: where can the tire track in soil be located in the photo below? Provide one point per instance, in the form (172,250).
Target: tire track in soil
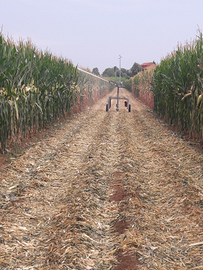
(48,203)
(95,183)
(127,258)
(113,188)
(160,183)
(96,195)
(95,213)
(43,185)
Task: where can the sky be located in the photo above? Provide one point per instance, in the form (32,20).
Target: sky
(93,33)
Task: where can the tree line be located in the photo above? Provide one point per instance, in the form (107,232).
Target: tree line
(114,72)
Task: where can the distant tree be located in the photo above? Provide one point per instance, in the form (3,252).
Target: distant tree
(108,72)
(129,73)
(96,71)
(124,75)
(135,69)
(123,70)
(116,71)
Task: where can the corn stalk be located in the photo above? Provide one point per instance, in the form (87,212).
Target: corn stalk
(36,89)
(178,88)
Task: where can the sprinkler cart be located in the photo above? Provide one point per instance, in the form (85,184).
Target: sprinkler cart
(118,85)
(108,105)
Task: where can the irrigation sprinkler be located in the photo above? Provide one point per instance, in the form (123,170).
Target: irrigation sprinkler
(118,85)
(92,74)
(127,104)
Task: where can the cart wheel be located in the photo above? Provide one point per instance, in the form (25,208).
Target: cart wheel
(107,107)
(126,103)
(129,108)
(109,104)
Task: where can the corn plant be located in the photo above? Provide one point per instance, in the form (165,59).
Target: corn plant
(140,86)
(36,88)
(178,88)
(90,88)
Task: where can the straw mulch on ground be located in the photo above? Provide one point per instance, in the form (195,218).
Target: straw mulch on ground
(112,190)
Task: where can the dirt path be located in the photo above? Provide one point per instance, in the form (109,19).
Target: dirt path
(112,190)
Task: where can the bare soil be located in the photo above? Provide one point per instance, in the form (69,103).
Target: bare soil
(112,190)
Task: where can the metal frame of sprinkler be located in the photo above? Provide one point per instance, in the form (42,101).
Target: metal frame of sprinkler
(119,85)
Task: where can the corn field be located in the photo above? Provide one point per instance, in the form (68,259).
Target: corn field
(174,89)
(140,86)
(177,86)
(90,89)
(36,89)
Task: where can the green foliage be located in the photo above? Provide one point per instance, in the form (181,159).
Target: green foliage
(108,72)
(140,86)
(135,69)
(178,88)
(114,72)
(140,82)
(96,71)
(128,84)
(136,85)
(36,88)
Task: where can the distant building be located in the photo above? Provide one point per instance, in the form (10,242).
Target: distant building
(146,66)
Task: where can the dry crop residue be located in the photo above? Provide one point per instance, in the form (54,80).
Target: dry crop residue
(112,190)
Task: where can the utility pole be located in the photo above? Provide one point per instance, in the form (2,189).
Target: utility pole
(119,85)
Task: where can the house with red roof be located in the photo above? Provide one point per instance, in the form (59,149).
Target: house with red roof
(146,66)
